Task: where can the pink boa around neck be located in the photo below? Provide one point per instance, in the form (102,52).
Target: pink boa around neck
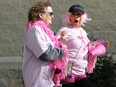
(47,30)
(59,66)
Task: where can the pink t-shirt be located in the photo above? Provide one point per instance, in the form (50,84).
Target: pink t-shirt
(76,41)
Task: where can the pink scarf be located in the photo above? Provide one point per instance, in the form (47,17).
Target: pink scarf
(60,66)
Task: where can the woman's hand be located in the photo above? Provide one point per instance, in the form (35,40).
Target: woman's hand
(63,34)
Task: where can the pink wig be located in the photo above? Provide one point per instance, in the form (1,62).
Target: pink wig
(66,19)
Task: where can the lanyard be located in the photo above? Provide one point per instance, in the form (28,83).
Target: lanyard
(70,64)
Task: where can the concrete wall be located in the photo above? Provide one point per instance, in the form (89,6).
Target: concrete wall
(13,19)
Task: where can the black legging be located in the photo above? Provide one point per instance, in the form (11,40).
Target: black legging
(85,82)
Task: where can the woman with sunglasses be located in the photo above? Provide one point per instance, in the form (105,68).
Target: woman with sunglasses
(75,38)
(41,48)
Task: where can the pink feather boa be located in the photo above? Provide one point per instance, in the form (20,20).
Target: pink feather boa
(59,66)
(96,48)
